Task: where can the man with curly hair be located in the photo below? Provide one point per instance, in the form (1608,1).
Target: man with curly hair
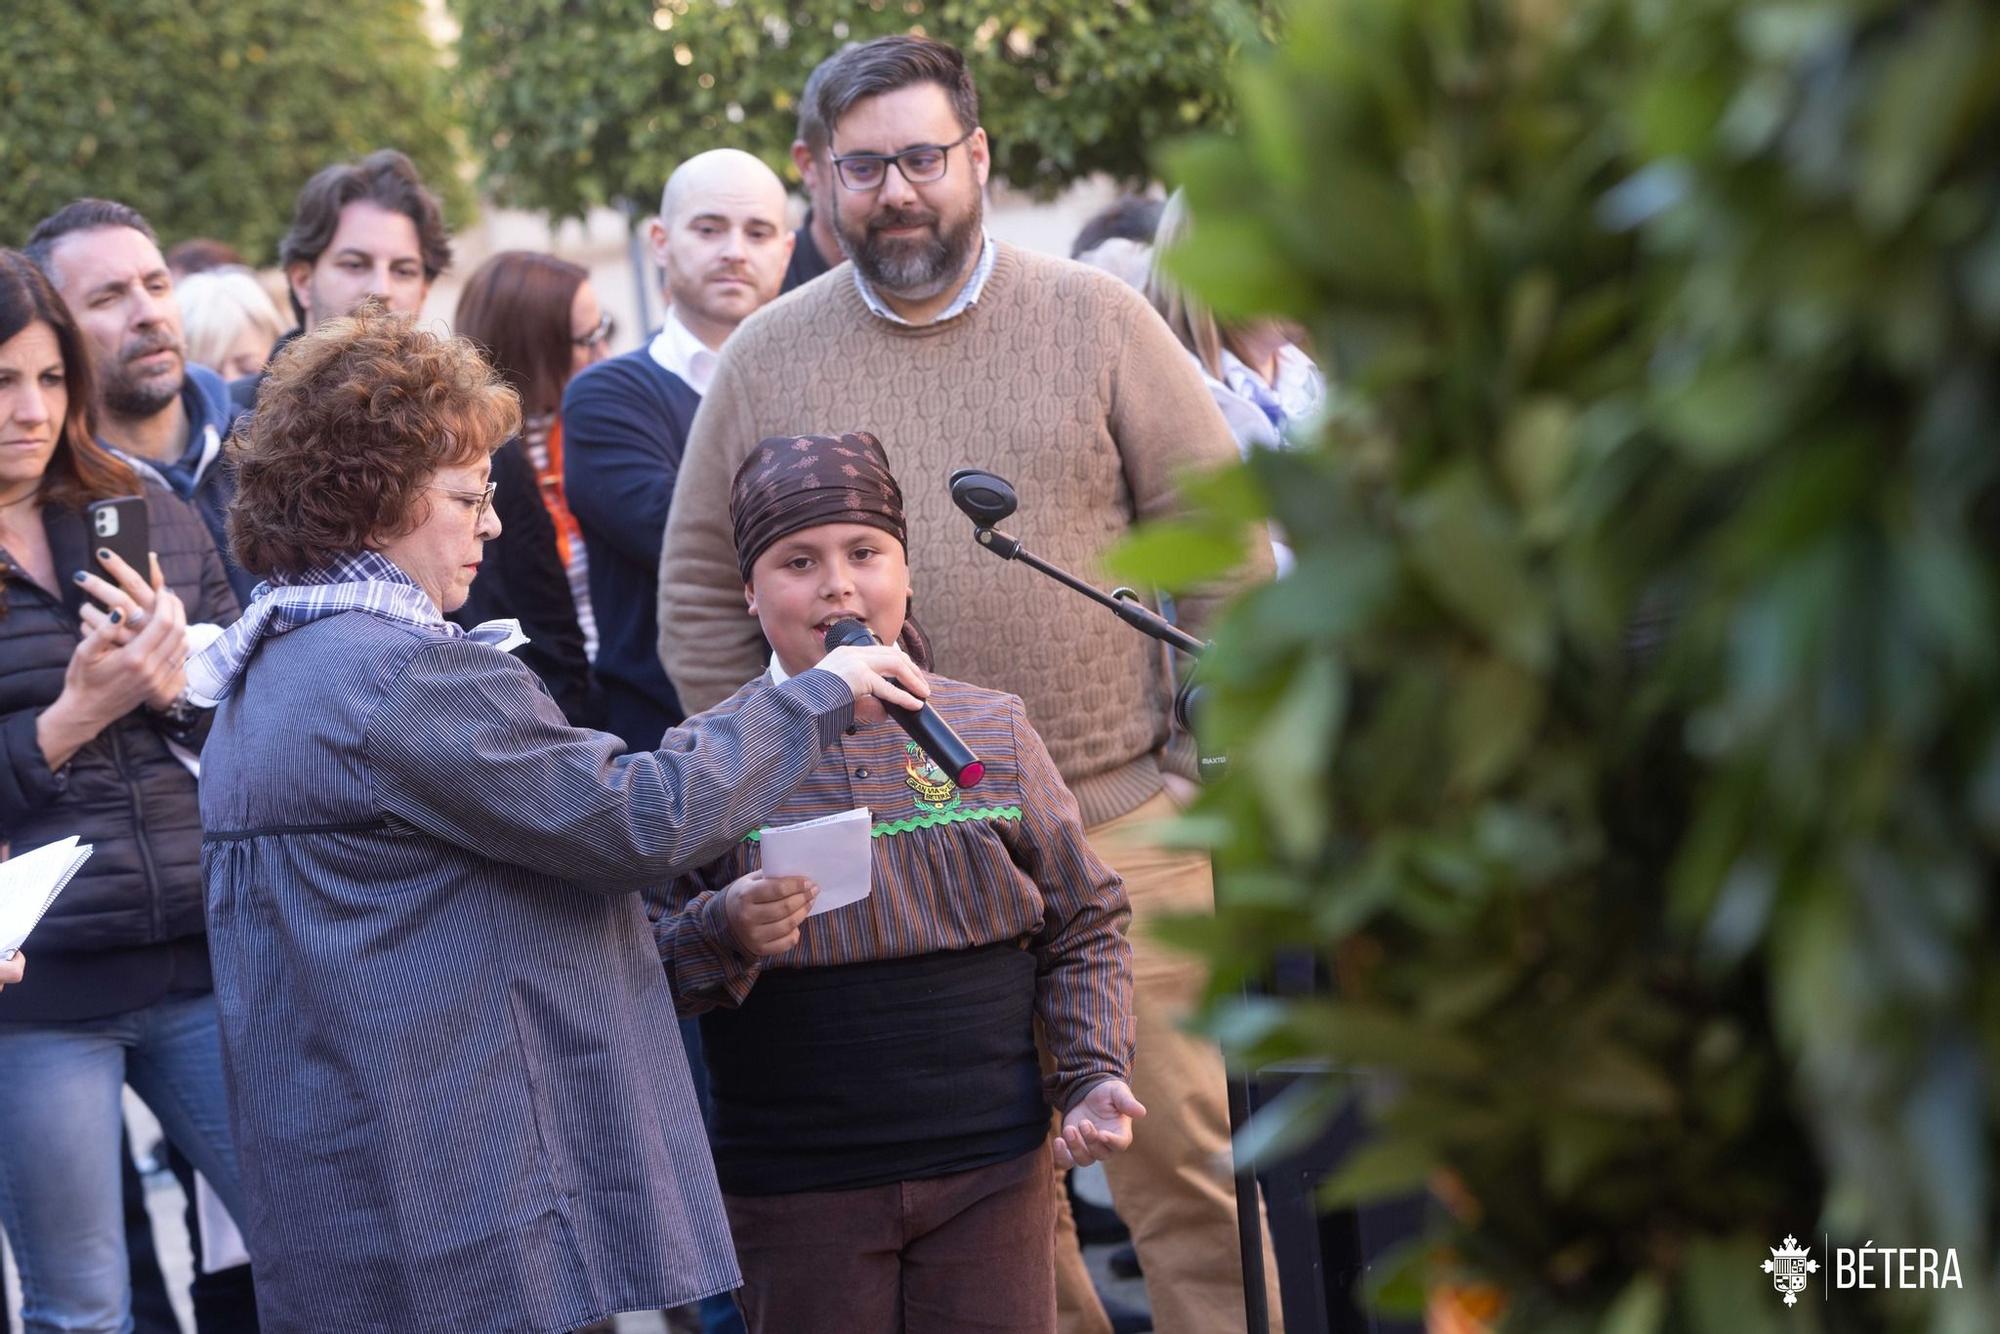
(359,230)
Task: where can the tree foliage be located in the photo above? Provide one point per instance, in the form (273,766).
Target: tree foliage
(1627,739)
(583,102)
(208,115)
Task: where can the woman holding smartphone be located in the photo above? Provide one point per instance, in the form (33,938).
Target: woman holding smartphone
(97,740)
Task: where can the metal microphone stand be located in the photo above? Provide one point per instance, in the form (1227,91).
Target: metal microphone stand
(986,499)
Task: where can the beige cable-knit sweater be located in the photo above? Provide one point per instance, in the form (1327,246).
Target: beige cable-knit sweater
(1060,379)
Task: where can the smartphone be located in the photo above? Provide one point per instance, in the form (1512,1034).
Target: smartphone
(120,525)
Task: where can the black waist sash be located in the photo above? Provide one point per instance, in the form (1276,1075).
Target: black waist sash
(867,1073)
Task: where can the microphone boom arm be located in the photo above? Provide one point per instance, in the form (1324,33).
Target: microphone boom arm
(1127,608)
(986,499)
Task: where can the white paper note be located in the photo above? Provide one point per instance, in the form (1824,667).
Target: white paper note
(832,851)
(29,883)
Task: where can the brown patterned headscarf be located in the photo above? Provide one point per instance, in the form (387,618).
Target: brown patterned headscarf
(791,482)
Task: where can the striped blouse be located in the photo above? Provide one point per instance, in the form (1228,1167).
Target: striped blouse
(953,870)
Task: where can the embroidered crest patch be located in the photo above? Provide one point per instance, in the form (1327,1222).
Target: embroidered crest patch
(935,793)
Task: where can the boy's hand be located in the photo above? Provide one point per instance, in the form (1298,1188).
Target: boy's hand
(765,911)
(1099,1125)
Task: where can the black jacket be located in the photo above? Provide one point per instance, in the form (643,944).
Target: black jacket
(123,792)
(806,262)
(521,575)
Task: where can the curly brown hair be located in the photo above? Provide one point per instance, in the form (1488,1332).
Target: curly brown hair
(351,423)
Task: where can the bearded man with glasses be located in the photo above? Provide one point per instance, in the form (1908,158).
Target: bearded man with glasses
(966,351)
(905,245)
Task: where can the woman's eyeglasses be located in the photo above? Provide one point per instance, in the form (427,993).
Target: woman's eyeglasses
(481,500)
(596,336)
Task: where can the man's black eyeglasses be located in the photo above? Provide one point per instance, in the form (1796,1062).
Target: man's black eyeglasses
(920,165)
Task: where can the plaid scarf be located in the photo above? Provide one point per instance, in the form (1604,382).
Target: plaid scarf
(366,581)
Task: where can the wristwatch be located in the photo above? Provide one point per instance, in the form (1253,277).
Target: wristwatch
(181,713)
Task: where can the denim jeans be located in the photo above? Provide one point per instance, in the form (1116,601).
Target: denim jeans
(62,1129)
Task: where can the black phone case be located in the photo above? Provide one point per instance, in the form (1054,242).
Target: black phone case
(120,525)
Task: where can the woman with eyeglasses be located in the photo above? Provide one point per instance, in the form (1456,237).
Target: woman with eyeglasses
(453,1067)
(538,321)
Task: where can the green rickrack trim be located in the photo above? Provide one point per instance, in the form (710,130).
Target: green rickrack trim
(930,818)
(925,821)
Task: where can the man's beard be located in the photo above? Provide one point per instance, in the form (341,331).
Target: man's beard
(914,268)
(134,397)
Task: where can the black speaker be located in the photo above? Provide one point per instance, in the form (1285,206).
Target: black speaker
(1325,1257)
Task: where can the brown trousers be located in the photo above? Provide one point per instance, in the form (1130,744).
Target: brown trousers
(967,1252)
(1173,1186)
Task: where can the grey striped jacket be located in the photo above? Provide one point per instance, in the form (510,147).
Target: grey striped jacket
(456,1083)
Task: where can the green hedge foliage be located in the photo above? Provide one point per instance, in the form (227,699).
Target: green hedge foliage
(575,103)
(208,115)
(1627,741)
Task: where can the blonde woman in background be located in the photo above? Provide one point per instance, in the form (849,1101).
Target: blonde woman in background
(1265,384)
(1269,390)
(230,321)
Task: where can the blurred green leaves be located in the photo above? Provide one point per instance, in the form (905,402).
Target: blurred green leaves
(576,103)
(1644,622)
(208,115)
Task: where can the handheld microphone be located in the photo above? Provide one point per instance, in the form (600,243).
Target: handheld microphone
(928,730)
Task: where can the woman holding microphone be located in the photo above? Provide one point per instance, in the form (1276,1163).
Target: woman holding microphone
(452,1058)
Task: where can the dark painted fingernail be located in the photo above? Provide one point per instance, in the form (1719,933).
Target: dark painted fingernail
(104,553)
(79,576)
(117,616)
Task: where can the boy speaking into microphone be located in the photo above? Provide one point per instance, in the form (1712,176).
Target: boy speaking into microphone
(880,1113)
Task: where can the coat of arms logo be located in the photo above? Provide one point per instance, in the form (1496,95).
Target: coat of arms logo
(935,793)
(1788,1267)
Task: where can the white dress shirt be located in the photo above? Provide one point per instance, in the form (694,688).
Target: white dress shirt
(677,349)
